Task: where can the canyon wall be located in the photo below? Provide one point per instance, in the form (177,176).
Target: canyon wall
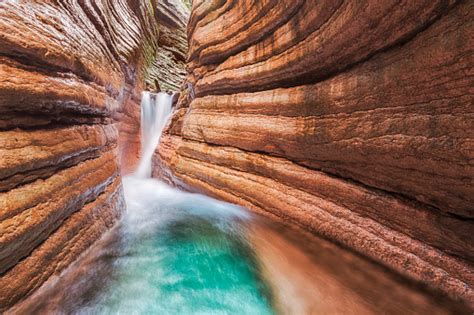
(71,76)
(352,119)
(169,66)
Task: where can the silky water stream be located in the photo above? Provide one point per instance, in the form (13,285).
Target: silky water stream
(175,252)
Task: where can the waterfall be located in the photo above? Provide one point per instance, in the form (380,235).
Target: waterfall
(155,110)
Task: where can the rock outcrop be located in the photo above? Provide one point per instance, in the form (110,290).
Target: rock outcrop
(71,76)
(351,119)
(169,66)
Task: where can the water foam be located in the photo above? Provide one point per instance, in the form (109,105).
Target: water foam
(155,111)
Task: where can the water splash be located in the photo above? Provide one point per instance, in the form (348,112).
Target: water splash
(176,252)
(155,111)
(179,253)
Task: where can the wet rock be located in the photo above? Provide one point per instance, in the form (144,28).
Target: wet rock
(175,98)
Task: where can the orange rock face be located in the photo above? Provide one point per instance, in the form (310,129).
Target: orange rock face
(351,119)
(71,76)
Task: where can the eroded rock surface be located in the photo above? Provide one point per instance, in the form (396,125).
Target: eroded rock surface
(352,119)
(71,76)
(169,66)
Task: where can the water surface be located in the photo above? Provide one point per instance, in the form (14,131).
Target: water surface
(180,253)
(172,253)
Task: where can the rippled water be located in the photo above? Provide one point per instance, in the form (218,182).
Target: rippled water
(172,253)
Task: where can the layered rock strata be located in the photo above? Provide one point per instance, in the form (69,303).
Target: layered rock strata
(169,66)
(351,119)
(71,75)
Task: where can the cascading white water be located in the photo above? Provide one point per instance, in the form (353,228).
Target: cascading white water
(175,252)
(155,110)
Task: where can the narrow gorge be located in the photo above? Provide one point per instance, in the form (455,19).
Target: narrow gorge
(236,157)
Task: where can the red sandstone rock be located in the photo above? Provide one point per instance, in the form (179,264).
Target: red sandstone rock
(311,276)
(169,66)
(71,76)
(329,49)
(75,235)
(331,207)
(353,120)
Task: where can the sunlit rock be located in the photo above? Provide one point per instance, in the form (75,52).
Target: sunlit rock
(351,119)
